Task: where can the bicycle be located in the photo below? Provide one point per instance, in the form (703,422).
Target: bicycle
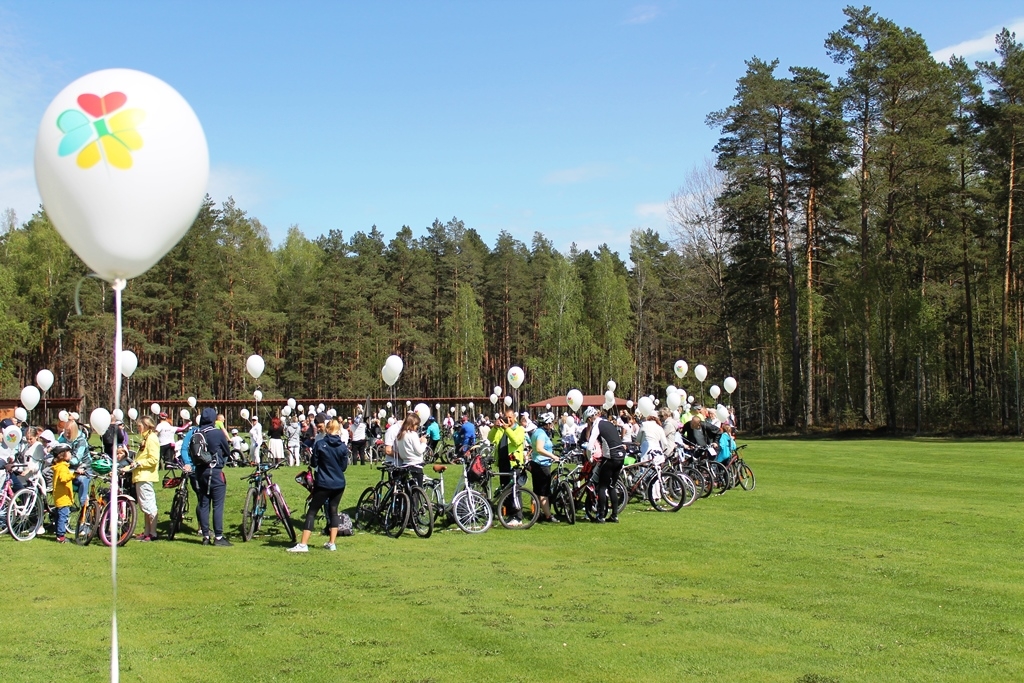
(563,503)
(27,507)
(740,471)
(180,502)
(469,509)
(395,503)
(261,489)
(511,501)
(124,507)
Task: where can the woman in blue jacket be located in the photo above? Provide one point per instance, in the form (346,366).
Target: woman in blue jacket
(330,460)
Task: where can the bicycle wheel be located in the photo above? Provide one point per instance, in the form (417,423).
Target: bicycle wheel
(124,508)
(623,494)
(249,521)
(281,509)
(421,516)
(429,456)
(24,515)
(366,509)
(85,525)
(689,492)
(395,513)
(720,477)
(511,507)
(747,481)
(472,512)
(177,514)
(562,504)
(706,479)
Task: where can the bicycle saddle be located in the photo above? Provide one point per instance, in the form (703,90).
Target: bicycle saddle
(440,468)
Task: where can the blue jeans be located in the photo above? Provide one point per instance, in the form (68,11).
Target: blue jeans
(82,483)
(63,515)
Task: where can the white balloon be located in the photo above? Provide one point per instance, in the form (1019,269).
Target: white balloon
(382,413)
(646,406)
(74,416)
(575,399)
(286,411)
(471,405)
(245,447)
(129,362)
(673,401)
(714,391)
(192,401)
(701,373)
(20,414)
(671,389)
(722,413)
(437,406)
(547,406)
(332,413)
(395,363)
(612,385)
(12,436)
(291,403)
(320,408)
(388,375)
(258,395)
(299,408)
(63,416)
(44,380)
(729,385)
(389,404)
(155,409)
(680,368)
(184,414)
(133,414)
(452,409)
(30,397)
(609,397)
(255,366)
(629,404)
(657,402)
(494,399)
(99,419)
(423,410)
(508,400)
(244,413)
(122,168)
(497,391)
(516,376)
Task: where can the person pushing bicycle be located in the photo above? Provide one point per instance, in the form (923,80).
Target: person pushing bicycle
(508,438)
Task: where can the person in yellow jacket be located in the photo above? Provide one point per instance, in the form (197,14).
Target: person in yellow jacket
(63,495)
(508,438)
(144,473)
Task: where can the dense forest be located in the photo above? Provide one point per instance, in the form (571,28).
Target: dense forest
(849,255)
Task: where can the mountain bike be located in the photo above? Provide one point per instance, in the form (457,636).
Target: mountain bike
(740,471)
(180,502)
(262,488)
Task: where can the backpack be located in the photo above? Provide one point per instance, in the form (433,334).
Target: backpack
(199,452)
(344,525)
(476,469)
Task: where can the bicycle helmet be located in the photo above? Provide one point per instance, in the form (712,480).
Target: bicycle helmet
(60,448)
(547,418)
(102,465)
(590,412)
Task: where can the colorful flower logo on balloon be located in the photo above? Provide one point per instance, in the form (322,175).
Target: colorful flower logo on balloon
(106,136)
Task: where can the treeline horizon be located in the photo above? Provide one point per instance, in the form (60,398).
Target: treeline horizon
(849,256)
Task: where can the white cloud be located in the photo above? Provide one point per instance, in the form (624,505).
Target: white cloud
(641,14)
(579,174)
(978,46)
(656,210)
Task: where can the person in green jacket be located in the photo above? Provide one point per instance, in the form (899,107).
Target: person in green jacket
(508,439)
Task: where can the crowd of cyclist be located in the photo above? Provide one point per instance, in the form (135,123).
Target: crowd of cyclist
(329,444)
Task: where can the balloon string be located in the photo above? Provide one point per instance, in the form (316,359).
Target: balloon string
(115,672)
(78,291)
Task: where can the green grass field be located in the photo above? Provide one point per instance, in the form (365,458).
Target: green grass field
(850,561)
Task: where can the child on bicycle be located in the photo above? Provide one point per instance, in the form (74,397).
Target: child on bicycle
(726,443)
(63,496)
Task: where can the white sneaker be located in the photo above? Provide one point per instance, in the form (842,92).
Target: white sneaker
(299,548)
(514,522)
(330,546)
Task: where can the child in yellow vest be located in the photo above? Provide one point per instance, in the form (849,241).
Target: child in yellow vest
(62,492)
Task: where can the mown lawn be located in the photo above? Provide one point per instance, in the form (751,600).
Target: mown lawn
(851,561)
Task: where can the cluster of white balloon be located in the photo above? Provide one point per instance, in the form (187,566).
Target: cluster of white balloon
(31,395)
(393,367)
(515,376)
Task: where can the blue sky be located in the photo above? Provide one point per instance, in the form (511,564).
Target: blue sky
(576,119)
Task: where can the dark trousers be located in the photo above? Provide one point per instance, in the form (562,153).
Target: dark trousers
(332,497)
(166,454)
(359,452)
(606,479)
(210,486)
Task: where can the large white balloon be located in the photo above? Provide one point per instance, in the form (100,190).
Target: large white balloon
(133,414)
(320,408)
(286,411)
(497,391)
(494,399)
(184,414)
(629,404)
(508,400)
(714,391)
(389,375)
(395,363)
(423,410)
(44,380)
(99,420)
(30,397)
(258,395)
(673,400)
(671,389)
(155,409)
(516,376)
(609,398)
(63,416)
(244,413)
(722,413)
(612,385)
(291,403)
(680,368)
(129,361)
(382,413)
(122,168)
(575,399)
(192,401)
(701,373)
(646,406)
(729,384)
(299,407)
(12,436)
(117,414)
(255,366)
(20,414)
